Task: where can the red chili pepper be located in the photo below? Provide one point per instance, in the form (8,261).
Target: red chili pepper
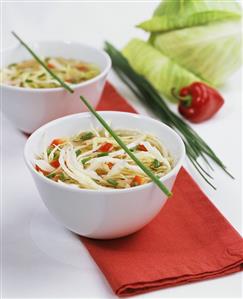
(199,102)
(106,147)
(142,148)
(55,163)
(56,142)
(137,180)
(41,170)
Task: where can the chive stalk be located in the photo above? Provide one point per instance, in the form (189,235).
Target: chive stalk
(146,170)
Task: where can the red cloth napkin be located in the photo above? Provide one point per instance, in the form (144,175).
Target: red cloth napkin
(188,241)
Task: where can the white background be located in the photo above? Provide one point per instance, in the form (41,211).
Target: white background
(42,259)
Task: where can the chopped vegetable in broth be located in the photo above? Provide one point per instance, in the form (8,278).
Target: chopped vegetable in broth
(93,160)
(30,74)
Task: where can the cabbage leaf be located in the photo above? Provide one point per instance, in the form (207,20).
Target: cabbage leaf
(190,40)
(162,72)
(212,51)
(177,14)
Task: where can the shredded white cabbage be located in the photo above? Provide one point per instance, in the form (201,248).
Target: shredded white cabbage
(44,165)
(69,168)
(93,159)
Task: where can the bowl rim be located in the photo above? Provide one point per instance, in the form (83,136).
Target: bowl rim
(57,89)
(174,171)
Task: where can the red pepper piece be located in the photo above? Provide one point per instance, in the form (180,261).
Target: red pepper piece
(50,66)
(110,165)
(83,68)
(55,163)
(41,170)
(105,147)
(56,142)
(137,180)
(142,148)
(199,102)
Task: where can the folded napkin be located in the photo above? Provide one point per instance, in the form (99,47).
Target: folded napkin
(188,241)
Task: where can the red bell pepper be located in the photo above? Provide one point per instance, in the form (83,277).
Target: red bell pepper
(142,148)
(50,66)
(137,180)
(83,68)
(199,102)
(55,163)
(105,147)
(56,142)
(110,165)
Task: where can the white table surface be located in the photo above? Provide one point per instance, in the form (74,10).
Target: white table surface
(42,259)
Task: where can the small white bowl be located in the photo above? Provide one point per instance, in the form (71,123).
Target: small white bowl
(110,213)
(30,108)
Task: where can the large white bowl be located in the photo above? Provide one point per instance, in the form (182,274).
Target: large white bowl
(30,108)
(103,214)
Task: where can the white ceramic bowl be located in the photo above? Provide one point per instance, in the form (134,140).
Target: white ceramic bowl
(29,108)
(103,214)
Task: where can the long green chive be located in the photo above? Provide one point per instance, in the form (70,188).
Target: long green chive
(146,170)
(195,146)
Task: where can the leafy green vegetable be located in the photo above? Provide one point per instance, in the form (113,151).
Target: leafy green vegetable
(177,14)
(168,7)
(211,52)
(199,40)
(161,72)
(166,23)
